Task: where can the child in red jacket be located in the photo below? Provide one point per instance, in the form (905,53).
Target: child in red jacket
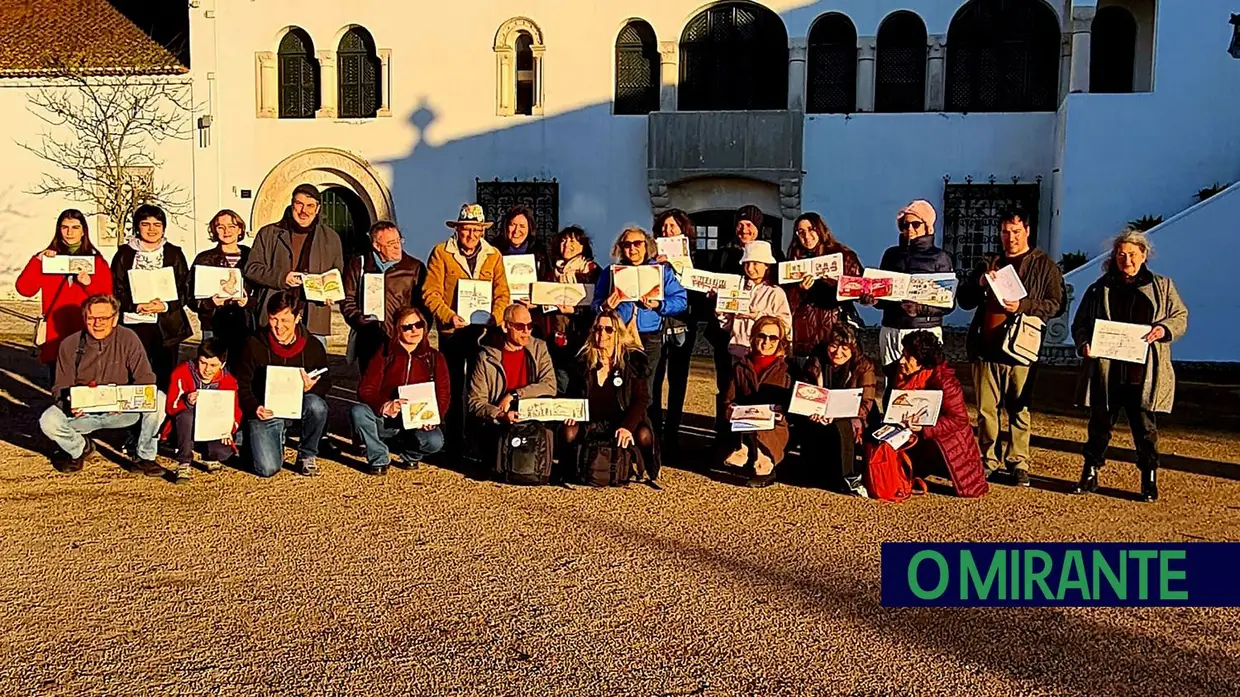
(206,372)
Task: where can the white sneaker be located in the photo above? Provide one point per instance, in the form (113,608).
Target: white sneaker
(182,472)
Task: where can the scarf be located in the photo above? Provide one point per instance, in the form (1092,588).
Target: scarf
(383,265)
(761,363)
(283,351)
(146,259)
(567,271)
(916,381)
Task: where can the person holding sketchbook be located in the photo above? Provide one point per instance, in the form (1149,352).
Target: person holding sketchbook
(815,308)
(517,237)
(402,276)
(1128,292)
(760,378)
(947,447)
(407,359)
(612,376)
(680,332)
(284,251)
(100,354)
(767,300)
(281,378)
(915,253)
(63,293)
(999,379)
(189,380)
(645,311)
(161,323)
(222,315)
(569,326)
(839,363)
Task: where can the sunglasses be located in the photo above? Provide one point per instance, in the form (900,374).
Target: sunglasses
(629,244)
(521,326)
(604,329)
(412,325)
(914,224)
(768,337)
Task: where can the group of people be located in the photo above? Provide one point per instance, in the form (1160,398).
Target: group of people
(615,352)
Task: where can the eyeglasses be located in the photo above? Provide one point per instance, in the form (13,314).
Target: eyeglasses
(768,337)
(412,325)
(101,320)
(604,329)
(629,244)
(914,224)
(521,326)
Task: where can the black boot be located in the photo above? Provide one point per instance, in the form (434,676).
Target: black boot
(1089,480)
(1149,485)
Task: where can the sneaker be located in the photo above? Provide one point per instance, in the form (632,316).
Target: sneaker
(212,466)
(1022,477)
(308,467)
(182,472)
(150,468)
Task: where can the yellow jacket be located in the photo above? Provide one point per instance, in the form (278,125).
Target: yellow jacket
(447,265)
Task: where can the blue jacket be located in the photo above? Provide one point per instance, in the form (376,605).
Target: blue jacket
(675,301)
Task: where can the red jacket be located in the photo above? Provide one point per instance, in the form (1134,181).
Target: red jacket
(64,315)
(952,436)
(397,368)
(182,383)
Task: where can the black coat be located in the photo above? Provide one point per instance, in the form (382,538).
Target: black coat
(229,321)
(633,393)
(173,326)
(916,256)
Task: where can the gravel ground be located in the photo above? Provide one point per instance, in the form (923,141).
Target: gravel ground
(434,582)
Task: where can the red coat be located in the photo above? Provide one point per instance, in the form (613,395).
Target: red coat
(64,316)
(182,383)
(395,367)
(952,436)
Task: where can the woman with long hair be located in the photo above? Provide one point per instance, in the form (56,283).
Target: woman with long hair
(679,333)
(63,293)
(760,377)
(516,234)
(815,309)
(161,325)
(224,316)
(569,326)
(1128,292)
(612,375)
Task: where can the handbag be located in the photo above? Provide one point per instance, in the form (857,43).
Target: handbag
(1023,339)
(40,327)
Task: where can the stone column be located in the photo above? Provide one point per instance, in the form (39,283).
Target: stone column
(267,85)
(328,90)
(669,74)
(385,82)
(797,49)
(936,76)
(1082,20)
(867,48)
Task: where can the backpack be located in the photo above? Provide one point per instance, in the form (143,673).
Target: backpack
(524,454)
(889,473)
(600,462)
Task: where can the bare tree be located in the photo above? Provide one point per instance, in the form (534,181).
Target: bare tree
(103,136)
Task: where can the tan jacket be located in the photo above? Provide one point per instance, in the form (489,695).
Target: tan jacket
(446,266)
(486,384)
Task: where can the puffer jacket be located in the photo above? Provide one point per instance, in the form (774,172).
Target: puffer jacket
(916,256)
(951,438)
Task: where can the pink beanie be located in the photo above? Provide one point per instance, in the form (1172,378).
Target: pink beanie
(922,209)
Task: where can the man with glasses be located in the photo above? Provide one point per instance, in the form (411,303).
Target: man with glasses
(916,253)
(513,367)
(402,287)
(101,354)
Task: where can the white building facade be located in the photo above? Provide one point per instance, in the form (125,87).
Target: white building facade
(600,113)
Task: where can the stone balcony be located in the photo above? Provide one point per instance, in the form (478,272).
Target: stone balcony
(763,145)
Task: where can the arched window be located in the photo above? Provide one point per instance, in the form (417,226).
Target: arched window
(733,56)
(1003,55)
(298,75)
(637,70)
(1113,50)
(900,65)
(357,75)
(832,64)
(518,68)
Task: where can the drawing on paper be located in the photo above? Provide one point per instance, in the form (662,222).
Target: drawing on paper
(914,407)
(553,409)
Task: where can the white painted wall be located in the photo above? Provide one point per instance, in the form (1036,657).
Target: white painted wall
(1196,249)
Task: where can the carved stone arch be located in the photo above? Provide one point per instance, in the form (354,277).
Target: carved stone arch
(506,37)
(506,67)
(321,167)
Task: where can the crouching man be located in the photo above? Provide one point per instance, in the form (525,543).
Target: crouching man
(101,354)
(283,344)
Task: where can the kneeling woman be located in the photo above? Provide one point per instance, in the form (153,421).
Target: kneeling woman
(407,360)
(760,377)
(612,375)
(838,363)
(949,444)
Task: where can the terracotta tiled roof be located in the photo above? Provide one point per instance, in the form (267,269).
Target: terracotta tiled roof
(93,36)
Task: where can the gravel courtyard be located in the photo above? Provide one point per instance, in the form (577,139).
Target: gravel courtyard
(436,582)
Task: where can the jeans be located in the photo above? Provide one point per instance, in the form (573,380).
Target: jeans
(266,438)
(67,431)
(377,432)
(1121,398)
(183,425)
(999,385)
(652,342)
